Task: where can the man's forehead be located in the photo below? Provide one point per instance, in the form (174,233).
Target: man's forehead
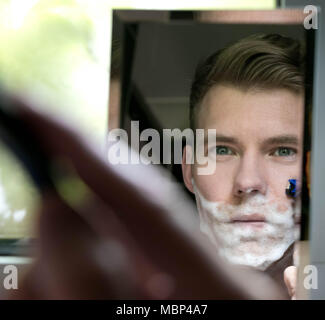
(269,112)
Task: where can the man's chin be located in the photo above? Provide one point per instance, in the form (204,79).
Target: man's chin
(254,255)
(253,247)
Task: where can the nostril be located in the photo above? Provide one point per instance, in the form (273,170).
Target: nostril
(247,191)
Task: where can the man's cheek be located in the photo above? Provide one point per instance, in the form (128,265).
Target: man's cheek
(215,187)
(278,197)
(278,178)
(282,206)
(212,191)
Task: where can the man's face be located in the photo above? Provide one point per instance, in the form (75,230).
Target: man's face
(243,206)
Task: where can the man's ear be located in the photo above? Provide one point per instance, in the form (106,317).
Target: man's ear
(187,167)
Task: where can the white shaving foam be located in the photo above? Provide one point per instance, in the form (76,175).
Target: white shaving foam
(241,244)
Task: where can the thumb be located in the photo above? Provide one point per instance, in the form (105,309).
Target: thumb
(290,279)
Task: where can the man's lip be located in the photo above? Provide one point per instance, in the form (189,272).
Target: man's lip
(250,218)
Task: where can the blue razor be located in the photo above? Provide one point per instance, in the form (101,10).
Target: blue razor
(292,188)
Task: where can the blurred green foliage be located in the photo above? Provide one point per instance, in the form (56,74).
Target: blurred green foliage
(46,49)
(45,46)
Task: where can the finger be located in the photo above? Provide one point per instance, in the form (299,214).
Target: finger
(290,279)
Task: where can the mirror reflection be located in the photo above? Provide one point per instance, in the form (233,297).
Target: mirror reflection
(224,91)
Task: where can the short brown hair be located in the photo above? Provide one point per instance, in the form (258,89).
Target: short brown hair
(256,62)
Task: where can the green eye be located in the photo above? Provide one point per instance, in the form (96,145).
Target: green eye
(223,151)
(284,152)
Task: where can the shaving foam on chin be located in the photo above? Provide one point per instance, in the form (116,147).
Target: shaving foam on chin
(242,244)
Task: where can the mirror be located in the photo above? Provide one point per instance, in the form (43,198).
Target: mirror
(250,205)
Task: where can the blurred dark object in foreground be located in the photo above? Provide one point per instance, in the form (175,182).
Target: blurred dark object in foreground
(130,236)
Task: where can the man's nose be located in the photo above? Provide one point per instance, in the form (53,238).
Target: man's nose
(249,177)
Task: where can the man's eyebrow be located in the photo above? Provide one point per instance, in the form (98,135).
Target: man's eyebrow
(283,139)
(223,138)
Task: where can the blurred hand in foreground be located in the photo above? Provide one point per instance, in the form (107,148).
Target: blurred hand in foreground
(133,237)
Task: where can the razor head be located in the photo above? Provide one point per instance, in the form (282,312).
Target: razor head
(292,188)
